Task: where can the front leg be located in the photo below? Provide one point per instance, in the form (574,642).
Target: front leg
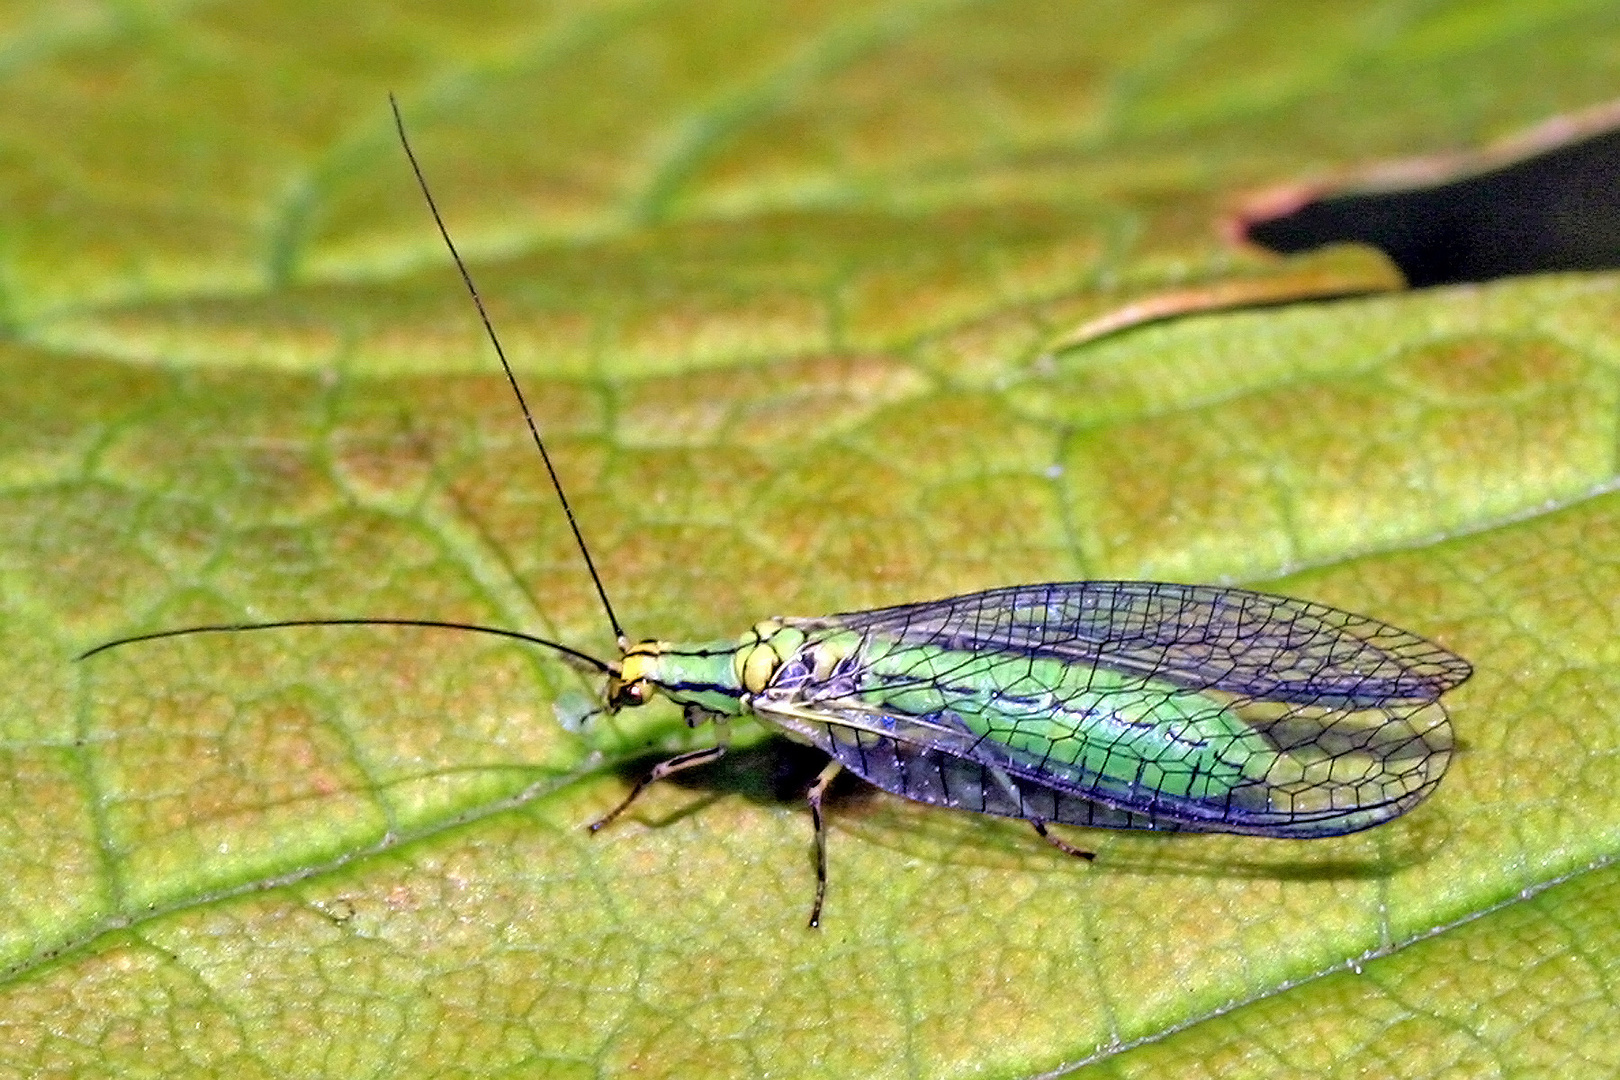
(679,763)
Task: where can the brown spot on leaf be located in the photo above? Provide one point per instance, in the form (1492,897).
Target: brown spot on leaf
(1478,368)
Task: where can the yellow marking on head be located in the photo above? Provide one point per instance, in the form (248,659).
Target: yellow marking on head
(639,662)
(633,683)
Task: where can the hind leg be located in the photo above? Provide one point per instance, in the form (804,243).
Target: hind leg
(1060,843)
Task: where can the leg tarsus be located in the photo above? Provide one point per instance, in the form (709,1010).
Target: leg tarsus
(679,763)
(1037,823)
(1060,843)
(817,790)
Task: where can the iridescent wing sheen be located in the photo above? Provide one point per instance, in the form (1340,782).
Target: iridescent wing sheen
(1130,705)
(1201,636)
(1380,766)
(919,765)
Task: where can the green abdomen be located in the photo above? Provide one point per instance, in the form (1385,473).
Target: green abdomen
(1066,740)
(1103,730)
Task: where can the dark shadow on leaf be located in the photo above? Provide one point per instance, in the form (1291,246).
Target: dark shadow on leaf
(974,839)
(778,772)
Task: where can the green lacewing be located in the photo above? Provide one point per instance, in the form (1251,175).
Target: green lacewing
(1104,704)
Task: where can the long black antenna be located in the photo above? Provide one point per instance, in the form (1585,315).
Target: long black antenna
(435,624)
(489,328)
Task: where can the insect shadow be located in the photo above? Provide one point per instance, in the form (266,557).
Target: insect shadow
(777,772)
(773,773)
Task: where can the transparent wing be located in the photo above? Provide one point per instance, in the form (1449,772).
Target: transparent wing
(1204,637)
(1301,771)
(892,754)
(930,773)
(1131,704)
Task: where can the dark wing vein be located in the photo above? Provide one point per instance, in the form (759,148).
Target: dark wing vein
(1204,637)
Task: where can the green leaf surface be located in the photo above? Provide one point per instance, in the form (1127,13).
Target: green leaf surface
(781,281)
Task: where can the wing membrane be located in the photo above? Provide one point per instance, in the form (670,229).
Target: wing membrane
(898,762)
(1129,704)
(1234,640)
(1321,773)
